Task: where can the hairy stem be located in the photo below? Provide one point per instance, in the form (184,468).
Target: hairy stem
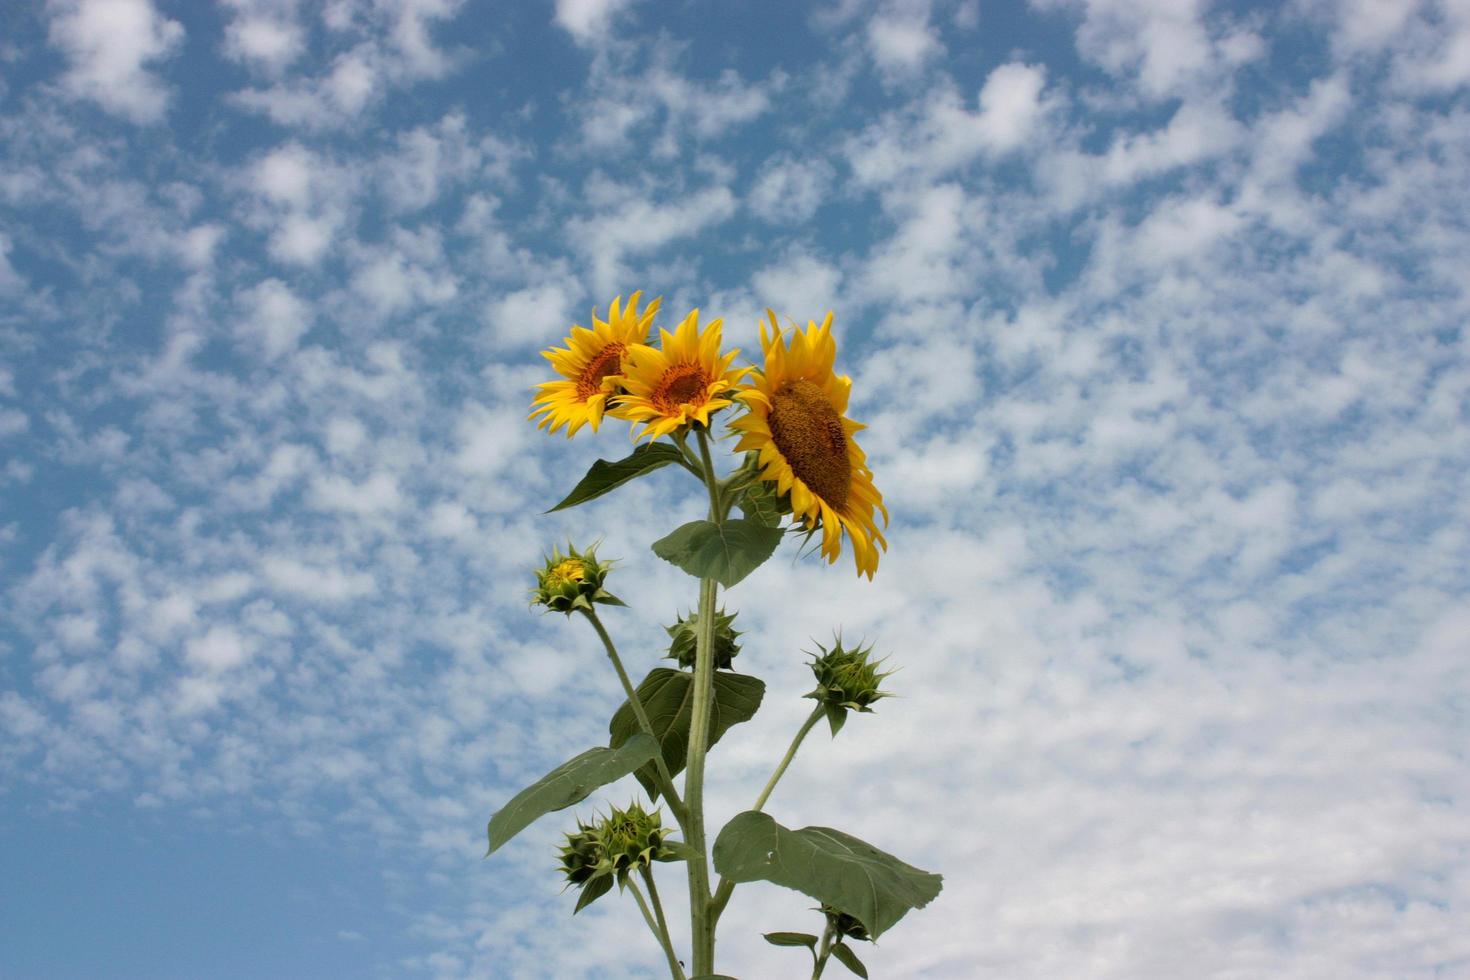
(824,952)
(700,917)
(806,726)
(666,781)
(663,923)
(657,926)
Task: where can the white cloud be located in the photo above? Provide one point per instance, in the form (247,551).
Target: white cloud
(1010,104)
(271,42)
(938,133)
(1180,229)
(535,315)
(588,20)
(788,190)
(109,43)
(219,649)
(378,494)
(901,40)
(800,286)
(638,226)
(320,583)
(275,318)
(1163,43)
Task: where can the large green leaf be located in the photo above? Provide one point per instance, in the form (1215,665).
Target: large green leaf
(604,476)
(668,698)
(571,782)
(830,866)
(724,552)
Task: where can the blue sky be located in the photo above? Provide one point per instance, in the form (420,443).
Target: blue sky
(1156,312)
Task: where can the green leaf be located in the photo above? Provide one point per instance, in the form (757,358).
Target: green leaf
(724,552)
(594,889)
(571,782)
(830,866)
(849,959)
(605,477)
(791,939)
(760,502)
(668,699)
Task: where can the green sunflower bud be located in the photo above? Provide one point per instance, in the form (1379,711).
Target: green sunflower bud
(846,681)
(630,839)
(580,855)
(844,925)
(685,633)
(566,583)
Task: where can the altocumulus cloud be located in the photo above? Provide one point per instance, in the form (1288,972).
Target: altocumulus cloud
(1156,314)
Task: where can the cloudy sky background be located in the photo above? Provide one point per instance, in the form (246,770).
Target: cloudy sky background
(1156,310)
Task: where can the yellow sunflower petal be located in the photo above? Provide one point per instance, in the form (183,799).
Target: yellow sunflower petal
(795,422)
(591,363)
(684,381)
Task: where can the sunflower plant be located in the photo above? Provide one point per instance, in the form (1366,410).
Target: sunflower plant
(794,468)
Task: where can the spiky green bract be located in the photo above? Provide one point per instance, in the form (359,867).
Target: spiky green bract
(580,855)
(566,583)
(847,680)
(844,925)
(630,839)
(685,632)
(597,854)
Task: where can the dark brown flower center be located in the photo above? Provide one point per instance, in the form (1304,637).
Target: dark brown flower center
(683,384)
(608,361)
(808,431)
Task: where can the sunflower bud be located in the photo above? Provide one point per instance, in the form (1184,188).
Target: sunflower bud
(630,839)
(580,855)
(846,681)
(685,634)
(845,926)
(569,582)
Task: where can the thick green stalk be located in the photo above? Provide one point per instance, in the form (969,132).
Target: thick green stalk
(727,887)
(658,927)
(700,917)
(666,781)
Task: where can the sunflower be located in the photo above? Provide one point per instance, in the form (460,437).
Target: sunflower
(590,363)
(681,381)
(804,443)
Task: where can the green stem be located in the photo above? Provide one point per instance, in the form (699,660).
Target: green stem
(826,951)
(806,726)
(666,781)
(727,887)
(700,917)
(657,927)
(663,923)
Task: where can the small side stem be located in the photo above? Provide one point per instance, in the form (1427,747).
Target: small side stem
(824,952)
(657,927)
(727,887)
(658,913)
(666,781)
(801,734)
